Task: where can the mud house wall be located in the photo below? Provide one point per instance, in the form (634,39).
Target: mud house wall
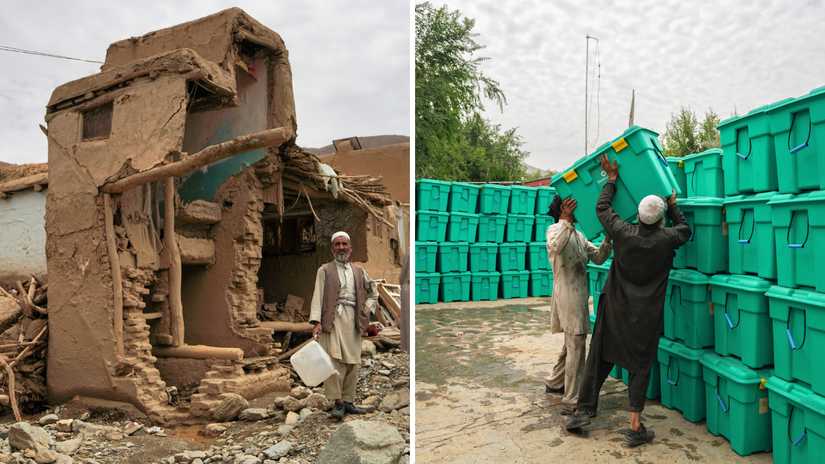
(22,226)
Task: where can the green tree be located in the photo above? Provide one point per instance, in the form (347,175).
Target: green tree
(685,136)
(499,156)
(708,134)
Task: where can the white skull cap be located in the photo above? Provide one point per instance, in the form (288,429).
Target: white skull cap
(341,234)
(651,209)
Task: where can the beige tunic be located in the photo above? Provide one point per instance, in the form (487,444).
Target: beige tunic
(569,252)
(344,341)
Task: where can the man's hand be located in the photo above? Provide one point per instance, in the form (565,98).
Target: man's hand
(567,207)
(607,238)
(316,331)
(672,199)
(612,170)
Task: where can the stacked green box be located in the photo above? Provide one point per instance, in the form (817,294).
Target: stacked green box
(688,316)
(742,322)
(616,372)
(519,228)
(432,195)
(654,388)
(425,256)
(544,196)
(484,286)
(639,156)
(798,130)
(799,228)
(677,167)
(431,226)
(452,257)
(707,248)
(681,382)
(736,403)
(798,417)
(596,277)
(540,227)
(798,321)
(426,287)
(515,284)
(537,256)
(491,228)
(522,200)
(463,198)
(703,174)
(511,257)
(541,283)
(455,287)
(751,240)
(483,257)
(494,199)
(462,227)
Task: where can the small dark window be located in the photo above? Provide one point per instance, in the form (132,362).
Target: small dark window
(292,236)
(97,123)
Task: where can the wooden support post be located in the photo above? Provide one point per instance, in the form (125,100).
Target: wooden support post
(175,272)
(114,263)
(197,351)
(279,326)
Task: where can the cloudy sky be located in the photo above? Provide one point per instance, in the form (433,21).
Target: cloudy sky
(350,60)
(673,53)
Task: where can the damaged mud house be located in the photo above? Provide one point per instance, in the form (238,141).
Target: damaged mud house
(180,210)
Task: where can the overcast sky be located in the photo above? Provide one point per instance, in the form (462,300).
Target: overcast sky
(350,60)
(673,53)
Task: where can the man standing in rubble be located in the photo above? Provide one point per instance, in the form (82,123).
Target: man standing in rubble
(341,305)
(569,251)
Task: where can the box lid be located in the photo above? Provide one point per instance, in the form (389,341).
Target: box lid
(733,369)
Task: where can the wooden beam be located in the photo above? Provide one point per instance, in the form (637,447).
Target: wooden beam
(25,182)
(197,352)
(175,270)
(242,35)
(12,399)
(114,263)
(389,302)
(279,326)
(236,146)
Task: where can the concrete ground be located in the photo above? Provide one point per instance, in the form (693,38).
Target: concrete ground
(479,391)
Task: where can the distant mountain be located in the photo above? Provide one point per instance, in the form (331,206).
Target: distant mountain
(366,142)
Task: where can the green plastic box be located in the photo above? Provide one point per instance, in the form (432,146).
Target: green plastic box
(798,423)
(681,379)
(511,257)
(425,256)
(519,228)
(688,315)
(541,283)
(751,241)
(639,156)
(541,224)
(455,286)
(452,257)
(515,284)
(616,372)
(677,167)
(742,321)
(494,199)
(431,226)
(654,388)
(544,196)
(462,227)
(707,248)
(736,402)
(537,256)
(491,228)
(703,174)
(799,228)
(748,155)
(426,287)
(485,286)
(463,198)
(432,195)
(798,129)
(798,322)
(522,200)
(483,257)
(596,277)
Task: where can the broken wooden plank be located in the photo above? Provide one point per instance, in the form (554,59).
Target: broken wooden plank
(25,182)
(114,264)
(197,352)
(280,326)
(393,305)
(175,270)
(12,400)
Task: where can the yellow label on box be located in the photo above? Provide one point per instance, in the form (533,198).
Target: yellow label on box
(710,305)
(762,385)
(763,405)
(681,164)
(619,145)
(570,175)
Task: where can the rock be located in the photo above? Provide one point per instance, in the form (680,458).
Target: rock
(43,455)
(369,400)
(292,404)
(112,436)
(279,450)
(317,401)
(380,379)
(229,408)
(48,419)
(132,429)
(300,393)
(279,401)
(405,459)
(215,430)
(384,372)
(368,348)
(64,425)
(23,436)
(5,459)
(85,416)
(285,429)
(292,418)
(366,407)
(395,400)
(86,428)
(386,341)
(388,365)
(68,446)
(245,459)
(363,442)
(63,459)
(306,412)
(253,414)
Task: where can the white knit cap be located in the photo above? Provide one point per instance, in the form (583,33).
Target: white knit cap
(651,209)
(341,234)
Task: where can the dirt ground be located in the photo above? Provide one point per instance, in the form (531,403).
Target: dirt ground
(480,397)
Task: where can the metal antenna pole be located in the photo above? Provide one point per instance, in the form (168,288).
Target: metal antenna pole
(586,72)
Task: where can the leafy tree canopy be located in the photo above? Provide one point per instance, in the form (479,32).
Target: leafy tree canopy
(685,136)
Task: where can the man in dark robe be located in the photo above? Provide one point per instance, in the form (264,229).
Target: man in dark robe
(630,314)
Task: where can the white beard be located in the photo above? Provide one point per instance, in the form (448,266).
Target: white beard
(342,257)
